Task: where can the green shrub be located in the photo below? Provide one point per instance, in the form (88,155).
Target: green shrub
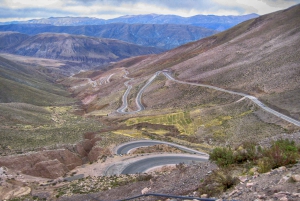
(217,182)
(264,165)
(222,156)
(282,153)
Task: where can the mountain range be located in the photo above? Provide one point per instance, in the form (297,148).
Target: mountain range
(163,36)
(70,47)
(219,23)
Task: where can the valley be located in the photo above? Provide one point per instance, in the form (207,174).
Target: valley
(93,117)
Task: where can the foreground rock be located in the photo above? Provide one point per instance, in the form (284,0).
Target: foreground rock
(279,184)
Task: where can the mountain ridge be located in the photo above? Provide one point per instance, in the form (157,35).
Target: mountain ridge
(151,35)
(74,48)
(215,22)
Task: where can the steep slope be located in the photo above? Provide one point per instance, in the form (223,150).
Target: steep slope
(166,36)
(77,48)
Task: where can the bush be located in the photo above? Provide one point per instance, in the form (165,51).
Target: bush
(282,153)
(222,156)
(218,182)
(248,152)
(264,165)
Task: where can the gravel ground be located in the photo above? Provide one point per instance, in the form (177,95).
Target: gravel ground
(180,181)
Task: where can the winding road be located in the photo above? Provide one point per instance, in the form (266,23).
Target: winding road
(127,147)
(144,163)
(138,99)
(168,76)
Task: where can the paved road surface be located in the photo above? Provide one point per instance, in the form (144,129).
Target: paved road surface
(127,147)
(143,163)
(156,161)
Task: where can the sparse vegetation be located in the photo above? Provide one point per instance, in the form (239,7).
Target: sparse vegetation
(44,127)
(281,153)
(217,182)
(97,184)
(180,120)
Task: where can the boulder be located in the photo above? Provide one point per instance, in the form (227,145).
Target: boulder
(296,177)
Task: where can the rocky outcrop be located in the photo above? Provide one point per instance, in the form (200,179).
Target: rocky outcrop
(49,164)
(56,163)
(97,153)
(84,147)
(49,169)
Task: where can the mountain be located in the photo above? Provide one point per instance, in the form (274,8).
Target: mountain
(74,48)
(218,23)
(215,22)
(11,39)
(164,36)
(259,57)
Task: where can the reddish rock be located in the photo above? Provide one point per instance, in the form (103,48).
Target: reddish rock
(84,147)
(96,139)
(98,152)
(89,135)
(49,164)
(70,159)
(49,169)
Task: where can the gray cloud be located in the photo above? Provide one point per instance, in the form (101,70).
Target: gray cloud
(171,4)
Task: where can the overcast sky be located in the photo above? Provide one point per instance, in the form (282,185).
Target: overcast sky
(107,9)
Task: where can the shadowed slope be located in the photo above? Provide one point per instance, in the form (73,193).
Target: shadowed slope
(164,36)
(76,48)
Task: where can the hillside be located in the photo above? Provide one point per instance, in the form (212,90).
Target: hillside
(164,36)
(75,48)
(219,23)
(258,57)
(11,39)
(25,84)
